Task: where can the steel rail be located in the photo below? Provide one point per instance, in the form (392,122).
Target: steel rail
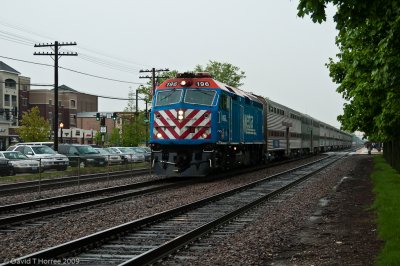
(97,239)
(7,189)
(138,189)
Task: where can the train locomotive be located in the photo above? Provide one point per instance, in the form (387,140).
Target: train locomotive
(199,125)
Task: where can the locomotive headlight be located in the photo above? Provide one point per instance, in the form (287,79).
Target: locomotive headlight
(180,115)
(159,135)
(186,83)
(205,135)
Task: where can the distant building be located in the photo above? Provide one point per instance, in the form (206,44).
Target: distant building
(77,111)
(12,88)
(70,102)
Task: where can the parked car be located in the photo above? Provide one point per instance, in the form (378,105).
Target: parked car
(20,162)
(111,158)
(6,168)
(48,158)
(82,155)
(128,154)
(47,143)
(140,150)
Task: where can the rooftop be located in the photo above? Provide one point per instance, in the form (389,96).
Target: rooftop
(6,68)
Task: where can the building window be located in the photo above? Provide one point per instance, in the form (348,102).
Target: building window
(24,101)
(14,100)
(50,102)
(10,84)
(72,119)
(73,104)
(6,100)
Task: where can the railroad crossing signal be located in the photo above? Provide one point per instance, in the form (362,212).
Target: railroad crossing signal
(98,116)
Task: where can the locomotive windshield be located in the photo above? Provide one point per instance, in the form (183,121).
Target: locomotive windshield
(204,97)
(168,97)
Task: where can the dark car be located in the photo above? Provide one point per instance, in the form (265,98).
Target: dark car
(6,168)
(82,155)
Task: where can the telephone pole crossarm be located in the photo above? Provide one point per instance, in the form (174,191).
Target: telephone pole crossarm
(56,55)
(153,76)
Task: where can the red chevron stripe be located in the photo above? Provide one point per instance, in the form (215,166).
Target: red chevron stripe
(169,127)
(163,134)
(163,124)
(172,117)
(200,132)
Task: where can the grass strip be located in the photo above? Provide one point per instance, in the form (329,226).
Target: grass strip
(387,205)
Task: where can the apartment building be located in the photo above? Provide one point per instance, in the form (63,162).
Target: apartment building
(13,87)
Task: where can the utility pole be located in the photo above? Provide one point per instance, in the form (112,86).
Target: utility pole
(153,76)
(55,46)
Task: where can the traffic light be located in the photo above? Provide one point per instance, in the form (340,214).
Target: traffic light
(114,116)
(103,121)
(98,116)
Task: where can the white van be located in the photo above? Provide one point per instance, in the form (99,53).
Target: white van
(47,143)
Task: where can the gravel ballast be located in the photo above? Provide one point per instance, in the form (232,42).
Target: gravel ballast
(260,243)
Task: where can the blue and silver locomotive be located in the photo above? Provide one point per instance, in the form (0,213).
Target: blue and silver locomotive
(199,125)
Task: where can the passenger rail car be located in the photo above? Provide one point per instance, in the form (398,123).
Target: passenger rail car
(199,125)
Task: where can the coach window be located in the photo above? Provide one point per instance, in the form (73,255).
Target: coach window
(168,97)
(271,109)
(203,97)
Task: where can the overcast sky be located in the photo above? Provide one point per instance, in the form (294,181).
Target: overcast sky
(282,55)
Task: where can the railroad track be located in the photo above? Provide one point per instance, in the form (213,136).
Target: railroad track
(149,239)
(15,214)
(14,188)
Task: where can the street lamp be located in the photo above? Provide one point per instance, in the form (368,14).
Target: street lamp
(61,127)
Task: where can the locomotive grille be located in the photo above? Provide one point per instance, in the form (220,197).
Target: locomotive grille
(194,125)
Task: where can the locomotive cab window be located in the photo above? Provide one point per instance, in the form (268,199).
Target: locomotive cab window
(168,97)
(203,97)
(224,102)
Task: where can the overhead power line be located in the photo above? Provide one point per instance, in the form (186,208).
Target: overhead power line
(75,71)
(153,76)
(56,45)
(116,63)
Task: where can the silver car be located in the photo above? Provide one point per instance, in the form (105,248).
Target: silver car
(111,157)
(48,158)
(128,154)
(20,162)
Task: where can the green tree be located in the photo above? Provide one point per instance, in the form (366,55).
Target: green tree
(115,137)
(223,72)
(33,126)
(367,67)
(98,138)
